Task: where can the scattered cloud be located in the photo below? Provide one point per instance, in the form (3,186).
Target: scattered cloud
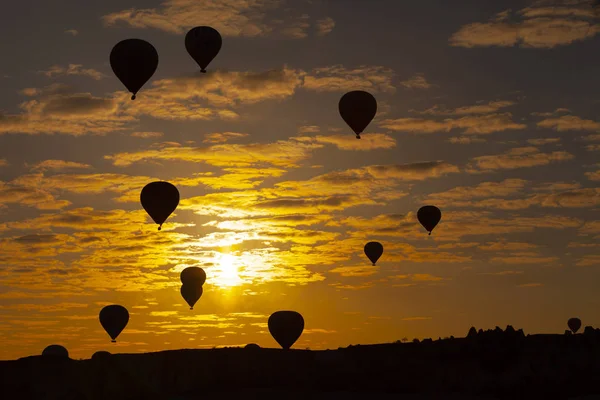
(59,165)
(466,140)
(570,123)
(73,69)
(478,119)
(223,137)
(538,26)
(230,17)
(338,78)
(147,135)
(57,110)
(479,108)
(325,26)
(417,81)
(541,142)
(504,188)
(521,157)
(368,141)
(283,153)
(412,172)
(72,32)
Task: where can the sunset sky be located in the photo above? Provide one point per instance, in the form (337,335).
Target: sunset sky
(487,109)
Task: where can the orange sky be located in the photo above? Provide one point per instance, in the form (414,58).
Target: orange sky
(489,112)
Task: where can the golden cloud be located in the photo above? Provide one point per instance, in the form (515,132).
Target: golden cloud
(222,137)
(147,135)
(479,108)
(417,81)
(58,165)
(369,141)
(283,153)
(569,123)
(338,78)
(475,125)
(73,69)
(229,17)
(537,27)
(521,157)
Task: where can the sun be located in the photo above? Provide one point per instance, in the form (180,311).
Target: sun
(227,272)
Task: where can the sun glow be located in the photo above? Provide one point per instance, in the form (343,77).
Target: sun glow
(227,272)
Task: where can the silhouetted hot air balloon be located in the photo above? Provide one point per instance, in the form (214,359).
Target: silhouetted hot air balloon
(429,216)
(159,199)
(56,350)
(203,43)
(574,324)
(114,319)
(191,294)
(101,355)
(373,250)
(358,108)
(193,276)
(133,61)
(252,346)
(286,327)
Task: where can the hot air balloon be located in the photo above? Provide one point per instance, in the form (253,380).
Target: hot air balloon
(252,346)
(159,199)
(191,294)
(193,276)
(203,43)
(286,327)
(101,355)
(133,61)
(429,216)
(56,350)
(114,319)
(358,108)
(574,324)
(373,250)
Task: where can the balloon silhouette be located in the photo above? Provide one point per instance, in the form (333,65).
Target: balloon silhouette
(252,346)
(191,294)
(373,250)
(193,276)
(574,324)
(203,43)
(133,61)
(56,350)
(429,216)
(286,327)
(159,199)
(114,319)
(101,355)
(358,108)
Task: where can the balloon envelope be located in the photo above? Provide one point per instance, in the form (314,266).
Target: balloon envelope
(286,327)
(574,324)
(203,43)
(429,217)
(159,199)
(56,350)
(191,294)
(114,319)
(101,355)
(193,276)
(373,250)
(133,61)
(358,108)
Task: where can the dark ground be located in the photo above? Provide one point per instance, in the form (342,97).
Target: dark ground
(493,364)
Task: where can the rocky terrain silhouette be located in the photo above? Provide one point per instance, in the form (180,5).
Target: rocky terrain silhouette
(485,364)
